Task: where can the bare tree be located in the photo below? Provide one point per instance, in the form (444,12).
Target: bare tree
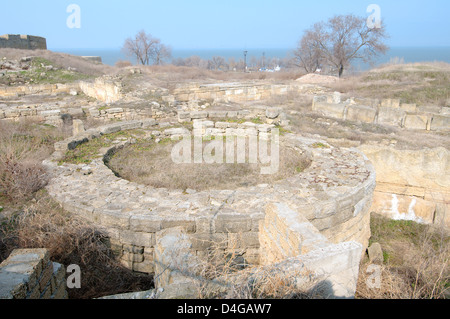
(160,53)
(339,41)
(308,54)
(218,62)
(145,48)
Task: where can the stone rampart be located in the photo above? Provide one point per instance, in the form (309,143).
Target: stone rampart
(384,112)
(24,42)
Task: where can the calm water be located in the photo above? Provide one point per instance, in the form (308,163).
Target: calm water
(409,55)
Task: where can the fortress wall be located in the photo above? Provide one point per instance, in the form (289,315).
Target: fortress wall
(231,92)
(29,274)
(385,112)
(24,42)
(41,89)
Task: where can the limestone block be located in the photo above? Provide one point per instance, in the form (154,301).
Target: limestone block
(217,114)
(375,253)
(109,129)
(116,219)
(412,108)
(416,122)
(174,257)
(199,115)
(94,112)
(243,240)
(114,110)
(137,238)
(232,223)
(130,125)
(394,103)
(188,226)
(429,109)
(331,110)
(361,113)
(339,264)
(273,113)
(144,267)
(417,168)
(440,123)
(143,223)
(198,124)
(401,207)
(78,127)
(184,116)
(391,116)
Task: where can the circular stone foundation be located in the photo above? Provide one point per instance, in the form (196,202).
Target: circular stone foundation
(150,163)
(333,193)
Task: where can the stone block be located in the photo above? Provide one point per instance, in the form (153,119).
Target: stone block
(137,239)
(375,253)
(330,110)
(273,113)
(78,127)
(429,109)
(217,114)
(143,223)
(113,218)
(440,123)
(184,116)
(232,223)
(412,108)
(243,240)
(394,103)
(361,113)
(188,226)
(198,115)
(391,116)
(416,122)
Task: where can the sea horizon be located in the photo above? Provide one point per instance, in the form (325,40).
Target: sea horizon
(405,54)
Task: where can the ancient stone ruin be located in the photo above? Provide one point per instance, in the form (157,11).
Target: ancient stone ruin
(314,225)
(24,42)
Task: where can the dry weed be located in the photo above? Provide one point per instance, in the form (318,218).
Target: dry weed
(70,240)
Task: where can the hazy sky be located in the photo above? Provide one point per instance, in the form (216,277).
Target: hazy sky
(200,24)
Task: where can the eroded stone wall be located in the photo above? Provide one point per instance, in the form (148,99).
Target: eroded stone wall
(24,42)
(411,184)
(29,274)
(384,112)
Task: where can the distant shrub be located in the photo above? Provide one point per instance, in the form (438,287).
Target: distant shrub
(123,64)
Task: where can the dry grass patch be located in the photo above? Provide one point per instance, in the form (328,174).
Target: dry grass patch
(42,223)
(148,163)
(225,274)
(416,261)
(23,147)
(426,83)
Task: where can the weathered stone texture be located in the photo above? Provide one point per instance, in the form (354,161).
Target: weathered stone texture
(24,42)
(29,274)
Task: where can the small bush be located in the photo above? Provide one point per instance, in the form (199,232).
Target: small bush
(23,146)
(416,264)
(123,64)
